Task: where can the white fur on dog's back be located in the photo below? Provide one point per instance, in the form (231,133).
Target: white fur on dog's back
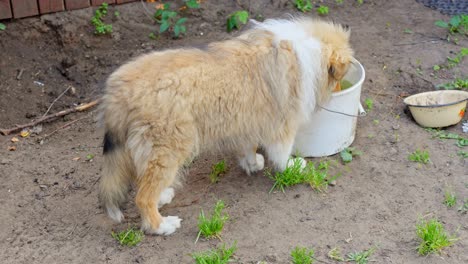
(308,53)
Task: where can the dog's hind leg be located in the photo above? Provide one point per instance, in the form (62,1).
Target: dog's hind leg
(250,160)
(118,171)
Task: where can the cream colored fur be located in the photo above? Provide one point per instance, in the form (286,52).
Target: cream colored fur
(163,108)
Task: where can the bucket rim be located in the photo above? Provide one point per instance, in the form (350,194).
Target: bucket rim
(436,105)
(357,84)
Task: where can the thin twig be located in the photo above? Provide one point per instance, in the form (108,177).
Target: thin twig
(147,12)
(62,127)
(48,109)
(50,117)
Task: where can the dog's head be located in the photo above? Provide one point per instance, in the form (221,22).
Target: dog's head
(336,51)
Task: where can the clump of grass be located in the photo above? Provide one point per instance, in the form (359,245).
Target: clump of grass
(220,255)
(420,156)
(361,257)
(217,169)
(236,20)
(322,10)
(130,237)
(302,255)
(101,28)
(316,176)
(457,84)
(464,207)
(450,198)
(433,235)
(211,227)
(454,61)
(369,104)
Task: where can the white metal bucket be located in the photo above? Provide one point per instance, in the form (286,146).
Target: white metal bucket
(332,127)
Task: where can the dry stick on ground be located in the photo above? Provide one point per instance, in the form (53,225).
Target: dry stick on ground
(50,117)
(62,127)
(56,99)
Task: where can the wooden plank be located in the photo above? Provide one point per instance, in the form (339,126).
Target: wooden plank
(100,2)
(5,9)
(49,6)
(24,8)
(124,1)
(76,4)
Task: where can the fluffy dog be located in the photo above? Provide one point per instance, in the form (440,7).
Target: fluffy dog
(163,108)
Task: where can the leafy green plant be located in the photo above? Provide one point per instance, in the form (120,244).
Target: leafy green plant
(461,141)
(369,103)
(452,62)
(450,198)
(361,257)
(170,20)
(89,157)
(130,237)
(335,254)
(220,255)
(302,255)
(348,153)
(117,14)
(192,3)
(463,154)
(217,169)
(303,5)
(339,2)
(457,84)
(101,28)
(316,176)
(211,227)
(322,10)
(436,67)
(236,20)
(420,156)
(456,24)
(360,2)
(433,235)
(2,26)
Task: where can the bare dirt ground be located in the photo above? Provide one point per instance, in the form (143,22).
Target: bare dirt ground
(48,198)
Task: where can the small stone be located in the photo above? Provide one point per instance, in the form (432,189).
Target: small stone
(332,183)
(5,161)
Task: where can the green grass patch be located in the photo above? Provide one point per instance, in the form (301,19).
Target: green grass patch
(130,237)
(450,198)
(211,227)
(302,255)
(433,235)
(220,255)
(420,156)
(335,254)
(316,176)
(217,170)
(361,257)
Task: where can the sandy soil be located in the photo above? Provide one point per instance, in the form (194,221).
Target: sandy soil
(50,211)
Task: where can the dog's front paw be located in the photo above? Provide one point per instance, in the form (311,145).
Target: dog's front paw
(166,196)
(292,162)
(251,166)
(168,226)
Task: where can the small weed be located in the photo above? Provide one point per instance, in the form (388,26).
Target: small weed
(302,255)
(369,103)
(348,153)
(212,227)
(217,169)
(339,2)
(316,176)
(322,10)
(433,235)
(2,26)
(170,20)
(461,141)
(89,157)
(457,24)
(436,67)
(464,207)
(236,20)
(117,14)
(220,255)
(130,237)
(192,3)
(360,2)
(408,31)
(419,156)
(100,28)
(303,5)
(152,36)
(335,254)
(452,62)
(450,198)
(463,154)
(361,257)
(457,84)
(376,121)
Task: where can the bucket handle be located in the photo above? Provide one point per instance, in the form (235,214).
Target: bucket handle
(361,111)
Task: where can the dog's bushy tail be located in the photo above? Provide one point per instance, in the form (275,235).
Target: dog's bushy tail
(118,171)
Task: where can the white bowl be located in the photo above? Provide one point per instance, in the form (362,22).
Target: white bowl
(438,108)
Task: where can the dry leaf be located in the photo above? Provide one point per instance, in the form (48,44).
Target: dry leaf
(25,133)
(11,148)
(14,139)
(76,158)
